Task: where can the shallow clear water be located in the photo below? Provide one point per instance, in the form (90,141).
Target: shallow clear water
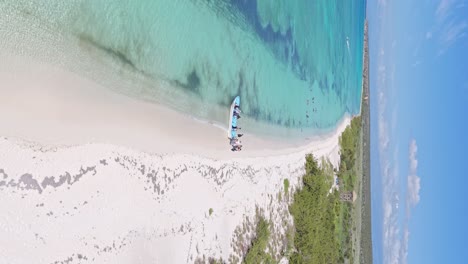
(296,64)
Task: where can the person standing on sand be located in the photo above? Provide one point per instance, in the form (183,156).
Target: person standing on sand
(234,141)
(236,148)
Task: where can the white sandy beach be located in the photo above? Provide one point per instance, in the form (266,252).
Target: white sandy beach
(92,176)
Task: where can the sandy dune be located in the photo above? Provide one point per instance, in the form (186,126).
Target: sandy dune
(91,176)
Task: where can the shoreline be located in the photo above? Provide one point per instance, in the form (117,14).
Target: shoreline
(48,105)
(80,57)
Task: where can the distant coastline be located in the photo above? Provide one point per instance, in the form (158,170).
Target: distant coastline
(366,247)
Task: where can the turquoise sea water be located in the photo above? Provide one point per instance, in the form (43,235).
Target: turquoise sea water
(295,64)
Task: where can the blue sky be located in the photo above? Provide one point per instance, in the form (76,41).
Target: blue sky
(419,117)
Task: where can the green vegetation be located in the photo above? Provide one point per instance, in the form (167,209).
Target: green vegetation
(323,224)
(210,211)
(256,252)
(286,186)
(313,211)
(348,158)
(365,249)
(215,261)
(210,260)
(349,175)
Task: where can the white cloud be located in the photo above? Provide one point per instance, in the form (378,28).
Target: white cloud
(383,133)
(395,232)
(413,149)
(444,8)
(395,239)
(451,33)
(391,199)
(412,197)
(388,162)
(404,246)
(449,28)
(414,185)
(414,182)
(384,138)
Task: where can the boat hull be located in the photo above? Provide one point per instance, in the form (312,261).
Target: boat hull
(232,119)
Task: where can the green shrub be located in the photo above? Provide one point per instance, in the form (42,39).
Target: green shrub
(286,186)
(314,218)
(256,253)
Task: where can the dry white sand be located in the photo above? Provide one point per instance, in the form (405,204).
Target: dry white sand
(91,176)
